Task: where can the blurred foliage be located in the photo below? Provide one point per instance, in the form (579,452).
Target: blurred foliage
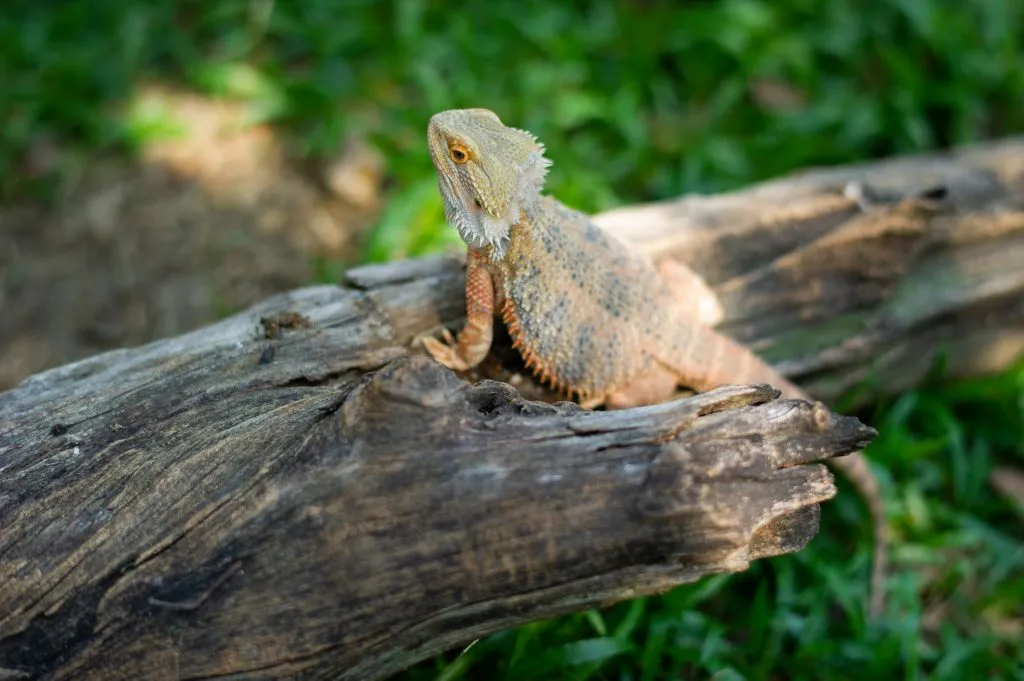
(636,100)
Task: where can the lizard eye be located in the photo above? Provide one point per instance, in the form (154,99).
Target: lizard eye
(458,153)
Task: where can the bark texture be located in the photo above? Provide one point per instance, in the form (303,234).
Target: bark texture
(288,494)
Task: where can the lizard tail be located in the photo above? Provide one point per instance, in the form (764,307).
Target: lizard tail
(717,360)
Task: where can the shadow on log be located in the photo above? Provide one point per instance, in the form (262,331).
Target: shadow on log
(247,501)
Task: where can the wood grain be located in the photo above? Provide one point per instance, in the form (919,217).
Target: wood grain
(288,494)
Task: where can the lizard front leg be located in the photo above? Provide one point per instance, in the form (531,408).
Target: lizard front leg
(475,338)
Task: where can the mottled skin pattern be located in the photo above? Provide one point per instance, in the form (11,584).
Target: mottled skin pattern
(592,318)
(599,322)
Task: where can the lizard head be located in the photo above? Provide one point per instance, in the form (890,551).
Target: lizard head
(487,173)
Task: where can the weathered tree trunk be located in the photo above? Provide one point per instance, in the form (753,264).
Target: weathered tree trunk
(245,500)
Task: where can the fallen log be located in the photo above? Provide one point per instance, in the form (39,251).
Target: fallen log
(289,494)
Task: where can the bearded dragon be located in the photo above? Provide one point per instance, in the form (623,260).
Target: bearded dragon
(591,318)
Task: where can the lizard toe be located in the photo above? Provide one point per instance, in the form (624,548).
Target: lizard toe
(445,353)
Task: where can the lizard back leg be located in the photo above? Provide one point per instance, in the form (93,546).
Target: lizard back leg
(653,387)
(699,306)
(695,297)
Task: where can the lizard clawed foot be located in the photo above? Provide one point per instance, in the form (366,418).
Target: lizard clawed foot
(445,351)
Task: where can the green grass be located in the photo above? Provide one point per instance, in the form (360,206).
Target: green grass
(636,100)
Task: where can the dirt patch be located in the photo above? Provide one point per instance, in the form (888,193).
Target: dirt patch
(191,229)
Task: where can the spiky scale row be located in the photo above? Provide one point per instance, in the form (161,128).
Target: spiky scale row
(533,362)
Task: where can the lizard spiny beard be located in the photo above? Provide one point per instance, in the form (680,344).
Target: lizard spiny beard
(479,229)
